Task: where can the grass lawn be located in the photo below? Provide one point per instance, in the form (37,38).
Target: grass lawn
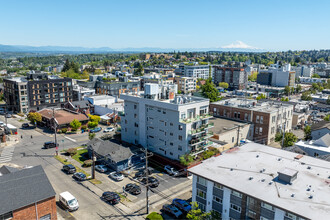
(81,155)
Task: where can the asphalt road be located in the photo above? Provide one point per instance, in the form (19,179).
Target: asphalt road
(28,151)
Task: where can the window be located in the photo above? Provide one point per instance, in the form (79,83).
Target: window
(257,129)
(171,153)
(171,134)
(161,149)
(251,214)
(264,218)
(316,154)
(291,216)
(62,100)
(135,106)
(201,206)
(180,138)
(201,180)
(135,115)
(8,215)
(237,194)
(238,115)
(224,112)
(201,194)
(267,206)
(217,199)
(232,139)
(257,119)
(260,130)
(235,207)
(180,127)
(273,130)
(218,185)
(171,124)
(245,116)
(273,119)
(171,143)
(180,148)
(150,136)
(261,119)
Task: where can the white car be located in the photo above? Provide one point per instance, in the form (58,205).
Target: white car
(108,129)
(116,176)
(170,170)
(101,168)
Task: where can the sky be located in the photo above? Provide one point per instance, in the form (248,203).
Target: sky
(264,24)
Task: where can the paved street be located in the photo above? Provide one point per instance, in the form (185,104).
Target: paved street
(28,152)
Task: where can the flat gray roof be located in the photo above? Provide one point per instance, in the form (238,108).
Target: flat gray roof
(234,168)
(222,125)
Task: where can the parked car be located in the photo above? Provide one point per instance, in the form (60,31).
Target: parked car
(142,173)
(79,176)
(25,125)
(50,144)
(181,204)
(170,170)
(68,201)
(98,129)
(110,197)
(69,169)
(8,116)
(116,176)
(152,181)
(132,188)
(101,168)
(2,124)
(108,129)
(171,209)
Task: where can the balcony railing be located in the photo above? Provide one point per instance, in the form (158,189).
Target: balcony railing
(197,118)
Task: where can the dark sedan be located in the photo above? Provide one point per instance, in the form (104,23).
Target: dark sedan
(79,176)
(133,189)
(152,181)
(110,197)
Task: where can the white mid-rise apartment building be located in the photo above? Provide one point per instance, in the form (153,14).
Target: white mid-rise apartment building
(197,71)
(255,181)
(170,125)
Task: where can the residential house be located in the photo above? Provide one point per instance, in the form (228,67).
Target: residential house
(112,154)
(320,129)
(26,194)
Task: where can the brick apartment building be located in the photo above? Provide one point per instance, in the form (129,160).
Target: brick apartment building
(234,76)
(26,194)
(268,117)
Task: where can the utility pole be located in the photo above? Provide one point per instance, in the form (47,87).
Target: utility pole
(6,114)
(55,131)
(147,181)
(283,133)
(238,127)
(93,167)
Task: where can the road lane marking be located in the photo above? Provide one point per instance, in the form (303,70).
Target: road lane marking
(70,139)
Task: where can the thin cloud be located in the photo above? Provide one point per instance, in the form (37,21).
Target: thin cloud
(239,45)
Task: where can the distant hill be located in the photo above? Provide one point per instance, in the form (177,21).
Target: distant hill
(63,49)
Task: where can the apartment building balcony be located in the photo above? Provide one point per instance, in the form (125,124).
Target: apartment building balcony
(195,119)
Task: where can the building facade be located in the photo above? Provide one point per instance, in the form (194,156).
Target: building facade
(197,71)
(236,77)
(170,128)
(268,118)
(52,91)
(16,94)
(276,76)
(186,84)
(257,182)
(117,88)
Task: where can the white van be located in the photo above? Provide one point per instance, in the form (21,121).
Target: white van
(69,201)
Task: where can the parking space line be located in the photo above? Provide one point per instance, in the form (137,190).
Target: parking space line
(70,139)
(163,179)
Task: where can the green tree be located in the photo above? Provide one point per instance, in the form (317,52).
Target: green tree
(308,133)
(253,77)
(94,118)
(224,85)
(287,90)
(75,124)
(92,124)
(261,96)
(91,136)
(278,136)
(289,139)
(285,99)
(209,91)
(197,214)
(306,96)
(154,216)
(298,88)
(315,75)
(327,118)
(186,159)
(34,117)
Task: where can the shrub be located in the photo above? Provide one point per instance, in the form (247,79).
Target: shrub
(154,216)
(92,124)
(71,151)
(64,130)
(84,127)
(87,163)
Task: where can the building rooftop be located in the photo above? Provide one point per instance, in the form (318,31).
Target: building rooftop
(222,125)
(320,125)
(24,187)
(269,106)
(18,79)
(253,169)
(63,116)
